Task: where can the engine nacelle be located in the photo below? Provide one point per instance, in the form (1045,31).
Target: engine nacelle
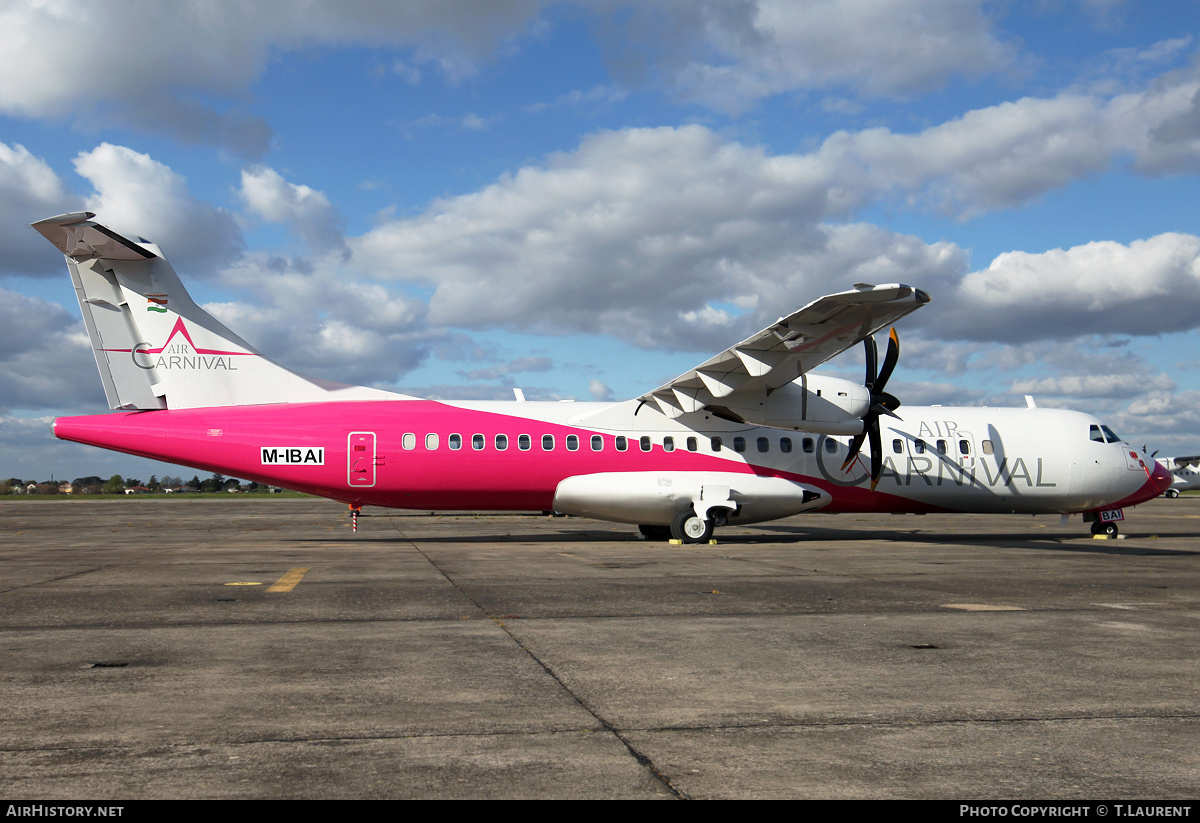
(654,498)
(811,403)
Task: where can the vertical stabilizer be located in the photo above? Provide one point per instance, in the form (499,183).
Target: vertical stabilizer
(157,349)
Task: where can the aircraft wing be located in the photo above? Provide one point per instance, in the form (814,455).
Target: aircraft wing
(1184,462)
(788,348)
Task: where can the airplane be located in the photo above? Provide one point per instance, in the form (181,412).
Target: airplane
(748,436)
(1185,474)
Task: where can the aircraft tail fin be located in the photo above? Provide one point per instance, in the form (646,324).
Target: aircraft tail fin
(154,346)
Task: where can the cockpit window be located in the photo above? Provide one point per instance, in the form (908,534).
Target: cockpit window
(1096,434)
(1109,437)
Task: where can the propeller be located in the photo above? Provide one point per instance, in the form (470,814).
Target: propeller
(881,403)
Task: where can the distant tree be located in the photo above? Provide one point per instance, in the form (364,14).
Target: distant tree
(169,482)
(213,484)
(154,485)
(115,485)
(194,483)
(131,482)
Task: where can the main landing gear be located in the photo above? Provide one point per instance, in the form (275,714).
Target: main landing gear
(688,527)
(1109,529)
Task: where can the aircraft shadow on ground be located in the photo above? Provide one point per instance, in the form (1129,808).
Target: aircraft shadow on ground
(799,536)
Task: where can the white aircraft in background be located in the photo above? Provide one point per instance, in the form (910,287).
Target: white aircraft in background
(1185,474)
(747,436)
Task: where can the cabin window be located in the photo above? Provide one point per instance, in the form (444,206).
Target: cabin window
(547,442)
(572,442)
(455,442)
(763,444)
(478,441)
(987,447)
(919,446)
(693,444)
(523,442)
(716,444)
(898,446)
(785,445)
(431,442)
(739,444)
(941,447)
(620,442)
(597,443)
(501,442)
(409,441)
(668,444)
(645,442)
(964,446)
(807,445)
(831,445)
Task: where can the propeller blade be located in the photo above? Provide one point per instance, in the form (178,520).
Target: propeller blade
(889,361)
(872,361)
(855,446)
(876,451)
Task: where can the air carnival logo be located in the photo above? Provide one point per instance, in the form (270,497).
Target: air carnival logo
(181,354)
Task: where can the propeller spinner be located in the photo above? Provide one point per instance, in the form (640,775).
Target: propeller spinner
(881,403)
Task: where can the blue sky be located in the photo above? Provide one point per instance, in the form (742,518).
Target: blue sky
(586,198)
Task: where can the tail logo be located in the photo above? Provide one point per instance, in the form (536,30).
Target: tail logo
(182,354)
(156,302)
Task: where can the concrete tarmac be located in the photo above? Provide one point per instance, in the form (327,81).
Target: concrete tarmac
(144,655)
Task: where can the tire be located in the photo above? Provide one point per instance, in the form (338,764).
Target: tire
(689,528)
(1105,528)
(1171,493)
(655,532)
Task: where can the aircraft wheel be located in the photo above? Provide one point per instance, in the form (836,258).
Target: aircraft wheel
(1105,528)
(1172,493)
(691,529)
(655,532)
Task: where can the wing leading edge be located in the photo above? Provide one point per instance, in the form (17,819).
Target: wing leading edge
(788,348)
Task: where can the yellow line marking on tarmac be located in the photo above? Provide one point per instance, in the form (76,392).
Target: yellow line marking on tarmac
(288,581)
(243,584)
(981,607)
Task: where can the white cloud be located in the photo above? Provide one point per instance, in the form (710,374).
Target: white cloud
(1095,385)
(154,65)
(138,196)
(45,358)
(599,390)
(1148,287)
(874,48)
(29,191)
(317,317)
(309,211)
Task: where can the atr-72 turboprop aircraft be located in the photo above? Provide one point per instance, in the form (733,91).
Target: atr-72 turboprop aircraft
(747,436)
